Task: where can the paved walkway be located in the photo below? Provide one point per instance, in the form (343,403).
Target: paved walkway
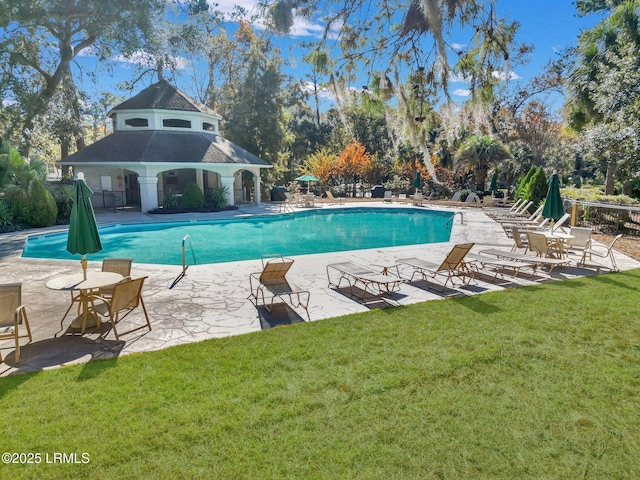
(211,301)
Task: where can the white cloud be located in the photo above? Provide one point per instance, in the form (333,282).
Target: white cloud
(301,27)
(458,46)
(324,92)
(457,78)
(144,59)
(8,103)
(461,92)
(304,28)
(505,75)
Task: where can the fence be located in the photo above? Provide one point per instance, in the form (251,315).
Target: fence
(606,218)
(107,200)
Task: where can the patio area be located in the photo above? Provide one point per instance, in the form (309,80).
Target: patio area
(211,301)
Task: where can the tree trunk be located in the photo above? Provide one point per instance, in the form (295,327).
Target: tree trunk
(609,188)
(315,94)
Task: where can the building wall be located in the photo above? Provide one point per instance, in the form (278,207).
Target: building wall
(103,197)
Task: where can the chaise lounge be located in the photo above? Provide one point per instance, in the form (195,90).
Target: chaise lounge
(271,284)
(372,282)
(452,266)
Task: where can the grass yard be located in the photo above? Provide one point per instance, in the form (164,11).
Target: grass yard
(541,382)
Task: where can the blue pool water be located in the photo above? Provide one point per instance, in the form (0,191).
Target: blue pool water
(250,237)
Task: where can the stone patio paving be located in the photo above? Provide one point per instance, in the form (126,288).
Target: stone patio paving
(211,301)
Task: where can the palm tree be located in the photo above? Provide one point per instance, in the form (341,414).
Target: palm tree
(478,154)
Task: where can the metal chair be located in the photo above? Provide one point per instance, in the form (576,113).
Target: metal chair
(602,252)
(127,296)
(12,315)
(116,265)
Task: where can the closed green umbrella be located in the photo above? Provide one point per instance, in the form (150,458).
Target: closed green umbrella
(493,188)
(553,207)
(83,235)
(417,181)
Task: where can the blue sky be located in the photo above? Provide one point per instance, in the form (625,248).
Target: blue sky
(550,25)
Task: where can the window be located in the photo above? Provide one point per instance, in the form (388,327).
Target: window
(209,127)
(136,122)
(176,123)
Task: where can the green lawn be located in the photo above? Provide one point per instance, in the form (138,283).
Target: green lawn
(539,382)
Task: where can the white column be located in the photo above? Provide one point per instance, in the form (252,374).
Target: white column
(148,192)
(228,181)
(160,188)
(200,178)
(258,186)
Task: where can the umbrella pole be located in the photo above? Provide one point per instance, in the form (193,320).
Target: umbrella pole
(83,262)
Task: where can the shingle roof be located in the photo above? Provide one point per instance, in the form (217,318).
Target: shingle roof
(163,96)
(157,146)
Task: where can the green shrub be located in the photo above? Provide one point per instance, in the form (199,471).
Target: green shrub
(464,193)
(595,194)
(537,187)
(63,195)
(6,217)
(170,201)
(218,197)
(398,184)
(192,197)
(522,186)
(38,210)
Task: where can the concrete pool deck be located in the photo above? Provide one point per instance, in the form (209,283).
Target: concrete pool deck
(211,300)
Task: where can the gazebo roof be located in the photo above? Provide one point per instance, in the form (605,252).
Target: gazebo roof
(163,96)
(159,146)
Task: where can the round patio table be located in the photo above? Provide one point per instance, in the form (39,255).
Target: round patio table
(77,282)
(559,239)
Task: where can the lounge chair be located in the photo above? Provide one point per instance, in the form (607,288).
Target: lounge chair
(521,257)
(561,221)
(581,238)
(372,282)
(515,206)
(498,265)
(472,198)
(521,212)
(451,267)
(298,200)
(417,199)
(285,205)
(456,197)
(271,284)
(602,252)
(388,196)
(524,218)
(12,315)
(288,204)
(332,199)
(127,296)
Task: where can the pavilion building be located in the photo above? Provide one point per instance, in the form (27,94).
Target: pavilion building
(163,140)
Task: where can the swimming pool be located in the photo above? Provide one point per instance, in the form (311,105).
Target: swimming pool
(250,237)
